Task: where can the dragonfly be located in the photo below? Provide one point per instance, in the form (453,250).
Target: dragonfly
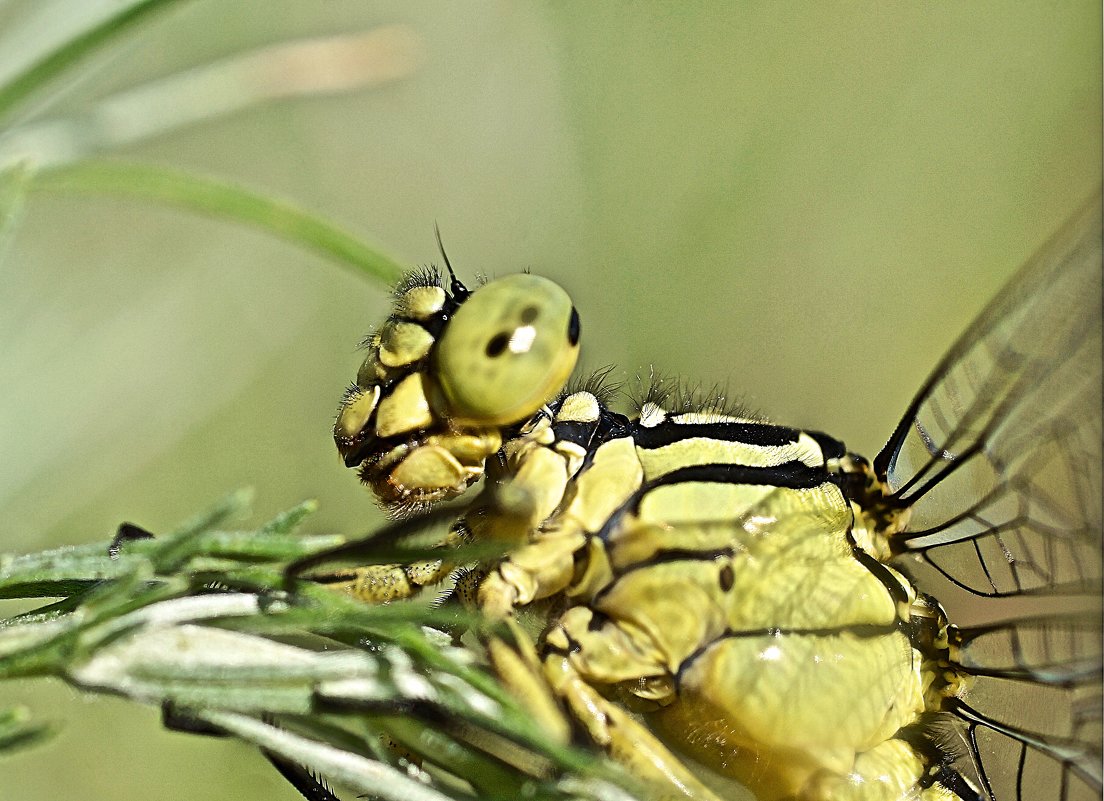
(716,600)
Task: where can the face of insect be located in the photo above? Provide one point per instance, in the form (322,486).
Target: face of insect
(446,374)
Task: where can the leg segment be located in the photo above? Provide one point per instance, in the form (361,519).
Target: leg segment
(377,584)
(625,738)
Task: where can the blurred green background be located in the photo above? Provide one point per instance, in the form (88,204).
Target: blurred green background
(803,201)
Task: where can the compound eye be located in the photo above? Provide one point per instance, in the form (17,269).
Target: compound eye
(507,351)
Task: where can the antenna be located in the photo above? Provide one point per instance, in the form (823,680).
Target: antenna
(459,291)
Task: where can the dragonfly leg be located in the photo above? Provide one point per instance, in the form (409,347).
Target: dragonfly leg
(516,665)
(580,655)
(377,584)
(625,738)
(537,570)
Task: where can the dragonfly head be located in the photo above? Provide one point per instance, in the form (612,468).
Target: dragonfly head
(446,374)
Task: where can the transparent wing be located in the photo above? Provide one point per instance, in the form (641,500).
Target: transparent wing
(998,460)
(998,456)
(1032,714)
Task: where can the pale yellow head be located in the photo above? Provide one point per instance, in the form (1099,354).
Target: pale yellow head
(446,376)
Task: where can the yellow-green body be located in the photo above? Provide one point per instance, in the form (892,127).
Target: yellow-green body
(711,587)
(735,617)
(713,599)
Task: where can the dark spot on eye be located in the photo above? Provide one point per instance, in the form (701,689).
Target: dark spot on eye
(573,327)
(728,577)
(529,314)
(498,344)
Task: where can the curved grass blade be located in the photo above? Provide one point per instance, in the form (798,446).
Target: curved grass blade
(303,67)
(223,200)
(57,62)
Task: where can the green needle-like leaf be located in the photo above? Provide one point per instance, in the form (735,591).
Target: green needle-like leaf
(18,730)
(205,622)
(224,201)
(56,62)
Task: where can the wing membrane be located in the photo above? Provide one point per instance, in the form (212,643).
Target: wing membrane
(1028,724)
(1033,712)
(998,460)
(998,457)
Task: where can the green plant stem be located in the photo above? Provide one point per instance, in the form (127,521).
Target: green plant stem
(225,201)
(75,50)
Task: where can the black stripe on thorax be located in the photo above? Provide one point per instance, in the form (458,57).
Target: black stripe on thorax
(661,557)
(862,631)
(590,435)
(578,432)
(831,447)
(670,432)
(791,475)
